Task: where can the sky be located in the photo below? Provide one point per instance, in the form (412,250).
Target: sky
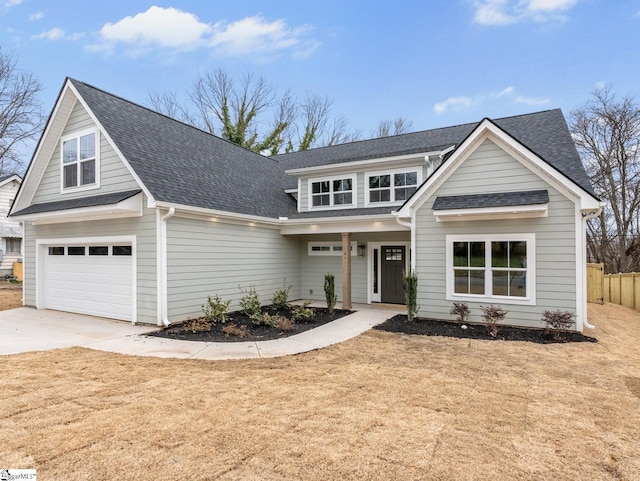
(436,63)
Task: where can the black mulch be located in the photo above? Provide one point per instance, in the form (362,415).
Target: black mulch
(192,330)
(432,327)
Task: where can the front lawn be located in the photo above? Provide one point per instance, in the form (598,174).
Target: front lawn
(382,406)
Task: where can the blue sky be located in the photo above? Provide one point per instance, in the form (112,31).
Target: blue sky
(436,63)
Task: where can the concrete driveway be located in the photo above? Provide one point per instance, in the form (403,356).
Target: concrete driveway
(25,329)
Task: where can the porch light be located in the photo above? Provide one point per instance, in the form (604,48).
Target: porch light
(361,251)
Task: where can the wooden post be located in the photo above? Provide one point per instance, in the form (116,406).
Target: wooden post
(346,270)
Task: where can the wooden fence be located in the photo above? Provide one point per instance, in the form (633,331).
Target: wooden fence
(595,283)
(622,289)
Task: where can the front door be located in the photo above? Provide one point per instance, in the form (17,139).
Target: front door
(392,266)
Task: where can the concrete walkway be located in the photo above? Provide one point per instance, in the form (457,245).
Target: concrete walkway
(26,329)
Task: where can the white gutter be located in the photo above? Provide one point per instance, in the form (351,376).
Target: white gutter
(411,224)
(585,217)
(163,308)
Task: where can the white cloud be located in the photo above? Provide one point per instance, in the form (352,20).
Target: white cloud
(520,99)
(506,12)
(174,29)
(601,84)
(37,16)
(11,3)
(454,103)
(507,91)
(57,34)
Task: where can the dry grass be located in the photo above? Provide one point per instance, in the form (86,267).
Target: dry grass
(10,297)
(379,407)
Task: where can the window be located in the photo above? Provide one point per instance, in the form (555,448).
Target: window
(56,251)
(98,251)
(391,187)
(333,192)
(13,245)
(79,160)
(330,248)
(75,251)
(121,250)
(500,267)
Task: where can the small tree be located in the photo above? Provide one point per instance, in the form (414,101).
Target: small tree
(410,283)
(491,316)
(330,291)
(461,311)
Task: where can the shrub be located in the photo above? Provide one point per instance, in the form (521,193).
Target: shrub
(215,310)
(558,321)
(250,301)
(262,318)
(198,325)
(330,292)
(280,298)
(283,323)
(410,283)
(461,311)
(491,316)
(235,330)
(303,312)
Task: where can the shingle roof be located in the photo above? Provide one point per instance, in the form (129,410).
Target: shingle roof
(545,133)
(184,165)
(93,201)
(497,199)
(343,212)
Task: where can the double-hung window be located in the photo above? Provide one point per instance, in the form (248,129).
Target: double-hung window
(79,160)
(500,267)
(390,187)
(338,192)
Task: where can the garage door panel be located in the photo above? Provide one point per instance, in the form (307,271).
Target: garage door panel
(99,285)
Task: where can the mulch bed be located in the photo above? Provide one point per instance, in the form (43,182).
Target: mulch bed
(433,327)
(202,330)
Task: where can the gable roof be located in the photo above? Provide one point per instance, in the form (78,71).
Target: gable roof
(544,133)
(180,164)
(493,199)
(9,177)
(78,203)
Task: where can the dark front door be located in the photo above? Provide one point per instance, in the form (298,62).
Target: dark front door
(393,261)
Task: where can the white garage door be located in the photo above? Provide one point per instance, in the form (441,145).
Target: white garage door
(90,279)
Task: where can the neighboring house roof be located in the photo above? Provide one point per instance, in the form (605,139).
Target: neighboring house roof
(7,177)
(545,133)
(496,199)
(78,203)
(181,164)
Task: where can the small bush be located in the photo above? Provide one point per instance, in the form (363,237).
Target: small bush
(198,325)
(250,301)
(279,322)
(330,292)
(302,313)
(283,323)
(491,316)
(215,310)
(262,318)
(235,330)
(461,311)
(410,283)
(280,298)
(558,321)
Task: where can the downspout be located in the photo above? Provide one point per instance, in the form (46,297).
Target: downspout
(410,225)
(585,217)
(164,308)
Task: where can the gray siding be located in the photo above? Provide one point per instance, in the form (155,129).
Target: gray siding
(144,228)
(490,169)
(206,258)
(314,268)
(114,176)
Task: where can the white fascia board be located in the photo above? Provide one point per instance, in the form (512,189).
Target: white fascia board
(290,191)
(15,177)
(343,224)
(488,130)
(182,209)
(113,144)
(491,213)
(131,207)
(420,156)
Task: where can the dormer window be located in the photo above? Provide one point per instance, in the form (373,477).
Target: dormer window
(79,160)
(333,192)
(386,188)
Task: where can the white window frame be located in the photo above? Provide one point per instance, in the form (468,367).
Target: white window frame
(332,206)
(80,187)
(332,248)
(7,240)
(392,195)
(488,296)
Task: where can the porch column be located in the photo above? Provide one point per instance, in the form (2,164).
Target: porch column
(346,270)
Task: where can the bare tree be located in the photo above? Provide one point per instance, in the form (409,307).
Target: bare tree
(389,127)
(20,113)
(606,131)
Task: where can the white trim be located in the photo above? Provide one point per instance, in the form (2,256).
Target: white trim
(332,248)
(299,198)
(492,213)
(76,135)
(214,214)
(409,255)
(130,207)
(354,192)
(391,172)
(337,226)
(41,244)
(15,177)
(418,156)
(162,266)
(531,281)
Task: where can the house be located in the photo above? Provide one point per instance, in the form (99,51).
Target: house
(132,215)
(10,231)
